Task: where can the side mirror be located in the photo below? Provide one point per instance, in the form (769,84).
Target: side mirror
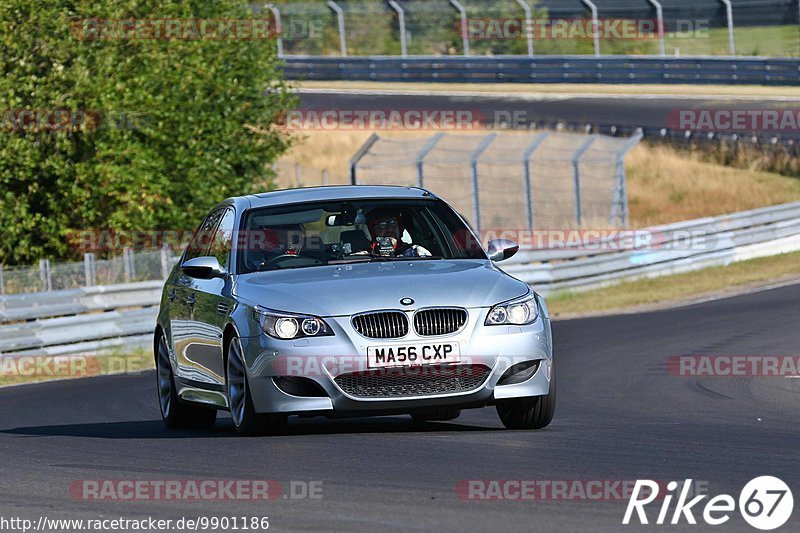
(502,249)
(203,268)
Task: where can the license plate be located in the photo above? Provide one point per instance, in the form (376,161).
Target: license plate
(413,355)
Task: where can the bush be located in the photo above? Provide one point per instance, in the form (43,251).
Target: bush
(169,127)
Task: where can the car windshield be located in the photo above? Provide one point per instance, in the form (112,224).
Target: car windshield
(343,232)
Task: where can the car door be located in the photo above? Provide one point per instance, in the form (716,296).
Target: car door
(208,307)
(187,328)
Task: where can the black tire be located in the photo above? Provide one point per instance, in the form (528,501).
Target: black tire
(436,416)
(246,421)
(175,412)
(533,412)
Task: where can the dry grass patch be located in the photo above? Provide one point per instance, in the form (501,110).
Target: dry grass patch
(560,88)
(665,185)
(691,285)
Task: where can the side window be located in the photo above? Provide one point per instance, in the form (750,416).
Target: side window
(223,239)
(201,240)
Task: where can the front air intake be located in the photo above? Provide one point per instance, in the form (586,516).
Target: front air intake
(440,321)
(381,324)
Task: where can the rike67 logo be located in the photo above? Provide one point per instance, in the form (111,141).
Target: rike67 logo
(765,503)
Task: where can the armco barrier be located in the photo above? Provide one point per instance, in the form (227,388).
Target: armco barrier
(99,318)
(79,320)
(64,331)
(37,305)
(549,69)
(725,239)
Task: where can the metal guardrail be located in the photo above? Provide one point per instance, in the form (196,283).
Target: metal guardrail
(32,306)
(548,69)
(668,234)
(64,331)
(79,320)
(99,318)
(725,239)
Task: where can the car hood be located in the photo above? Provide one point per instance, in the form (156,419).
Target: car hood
(349,289)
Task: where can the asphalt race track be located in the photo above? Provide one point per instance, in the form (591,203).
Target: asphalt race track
(622,111)
(620,416)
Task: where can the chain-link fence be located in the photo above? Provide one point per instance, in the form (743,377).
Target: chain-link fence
(47,276)
(507,180)
(538,27)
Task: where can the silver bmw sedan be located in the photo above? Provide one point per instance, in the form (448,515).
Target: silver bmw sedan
(348,301)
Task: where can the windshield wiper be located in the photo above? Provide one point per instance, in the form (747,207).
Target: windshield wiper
(415,258)
(352,259)
(377,259)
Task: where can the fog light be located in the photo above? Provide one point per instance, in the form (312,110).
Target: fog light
(297,386)
(519,373)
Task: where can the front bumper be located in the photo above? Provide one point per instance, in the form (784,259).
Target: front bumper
(321,360)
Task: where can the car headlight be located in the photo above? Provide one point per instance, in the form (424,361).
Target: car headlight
(517,312)
(289,326)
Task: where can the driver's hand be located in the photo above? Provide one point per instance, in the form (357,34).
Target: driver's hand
(417,251)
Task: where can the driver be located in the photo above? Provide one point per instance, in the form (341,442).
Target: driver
(386,228)
(281,241)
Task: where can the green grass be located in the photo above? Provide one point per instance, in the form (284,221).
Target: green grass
(778,41)
(676,288)
(771,41)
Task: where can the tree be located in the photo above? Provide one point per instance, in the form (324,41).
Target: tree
(108,130)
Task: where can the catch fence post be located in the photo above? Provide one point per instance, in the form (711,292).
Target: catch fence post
(526,166)
(473,160)
(45,275)
(576,173)
(89,269)
(420,159)
(342,30)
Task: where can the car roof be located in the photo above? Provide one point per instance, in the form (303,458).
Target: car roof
(334,193)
